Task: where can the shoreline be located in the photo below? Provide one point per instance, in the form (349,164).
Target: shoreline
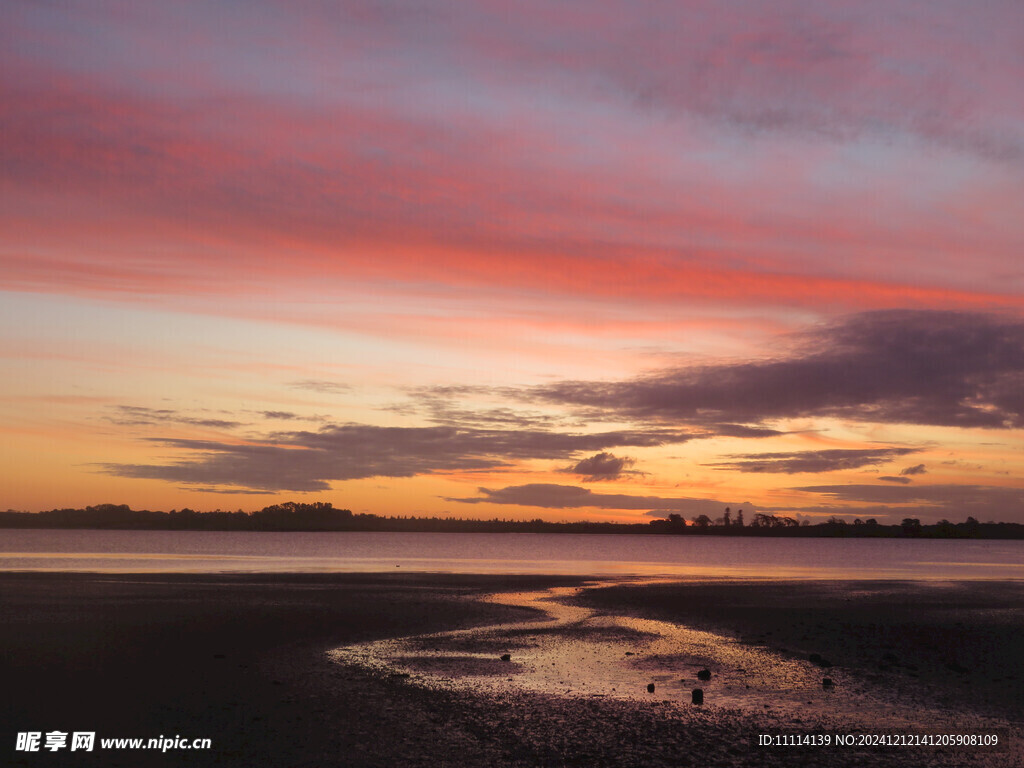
(242,659)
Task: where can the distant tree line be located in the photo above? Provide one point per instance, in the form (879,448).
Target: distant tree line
(322,516)
(780,525)
(290,516)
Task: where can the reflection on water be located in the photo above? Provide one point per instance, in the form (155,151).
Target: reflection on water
(572,651)
(512,553)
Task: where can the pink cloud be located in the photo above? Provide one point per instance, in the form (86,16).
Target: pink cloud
(212,186)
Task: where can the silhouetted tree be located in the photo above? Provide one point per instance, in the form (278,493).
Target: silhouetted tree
(911,526)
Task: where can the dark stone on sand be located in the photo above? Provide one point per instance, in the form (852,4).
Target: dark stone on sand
(506,657)
(817,658)
(629,653)
(826,682)
(650,687)
(704,674)
(697,696)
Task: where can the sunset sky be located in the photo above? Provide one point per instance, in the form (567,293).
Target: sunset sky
(600,260)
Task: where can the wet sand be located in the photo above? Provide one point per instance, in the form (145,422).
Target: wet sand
(957,645)
(245,661)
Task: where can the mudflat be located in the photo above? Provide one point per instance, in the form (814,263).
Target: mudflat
(957,645)
(245,661)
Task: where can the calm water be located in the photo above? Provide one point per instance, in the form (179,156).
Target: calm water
(596,555)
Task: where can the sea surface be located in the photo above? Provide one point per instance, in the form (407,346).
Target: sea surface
(508,553)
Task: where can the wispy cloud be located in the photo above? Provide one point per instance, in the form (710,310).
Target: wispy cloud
(553,496)
(812,461)
(135,415)
(955,502)
(323,386)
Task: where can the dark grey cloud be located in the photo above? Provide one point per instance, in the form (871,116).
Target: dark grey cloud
(553,496)
(917,469)
(915,367)
(812,461)
(135,415)
(309,460)
(283,415)
(891,479)
(602,466)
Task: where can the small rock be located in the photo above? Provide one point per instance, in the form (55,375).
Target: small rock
(629,653)
(697,696)
(826,682)
(507,657)
(650,687)
(704,674)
